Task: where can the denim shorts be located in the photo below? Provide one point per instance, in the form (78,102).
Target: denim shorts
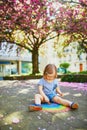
(51,96)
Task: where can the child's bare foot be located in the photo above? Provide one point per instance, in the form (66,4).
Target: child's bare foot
(74,106)
(34,108)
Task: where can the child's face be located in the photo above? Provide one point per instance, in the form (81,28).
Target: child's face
(50,77)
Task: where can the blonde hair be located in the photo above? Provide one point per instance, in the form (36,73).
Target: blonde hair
(50,69)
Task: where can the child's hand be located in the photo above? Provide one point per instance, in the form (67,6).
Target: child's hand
(61,94)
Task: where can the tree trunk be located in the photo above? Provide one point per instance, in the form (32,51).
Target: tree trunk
(35,63)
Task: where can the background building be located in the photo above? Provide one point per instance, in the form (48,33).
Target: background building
(13,59)
(68,55)
(17,61)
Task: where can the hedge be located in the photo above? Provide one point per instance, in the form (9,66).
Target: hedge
(74,78)
(64,78)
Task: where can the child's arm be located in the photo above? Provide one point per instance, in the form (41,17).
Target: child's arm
(59,91)
(43,94)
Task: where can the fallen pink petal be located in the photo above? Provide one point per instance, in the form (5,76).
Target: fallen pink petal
(76,86)
(15,120)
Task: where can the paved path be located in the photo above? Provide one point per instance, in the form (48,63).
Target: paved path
(14,115)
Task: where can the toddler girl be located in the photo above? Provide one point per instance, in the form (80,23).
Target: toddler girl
(49,90)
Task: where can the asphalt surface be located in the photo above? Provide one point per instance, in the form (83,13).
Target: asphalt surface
(15,96)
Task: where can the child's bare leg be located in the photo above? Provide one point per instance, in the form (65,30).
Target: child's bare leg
(62,101)
(65,102)
(37,106)
(38,99)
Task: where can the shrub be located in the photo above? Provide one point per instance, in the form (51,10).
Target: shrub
(74,78)
(64,65)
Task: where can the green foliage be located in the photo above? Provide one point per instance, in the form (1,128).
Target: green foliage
(64,65)
(74,78)
(83,72)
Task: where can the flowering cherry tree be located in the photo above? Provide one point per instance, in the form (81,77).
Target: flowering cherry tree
(72,19)
(30,23)
(27,23)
